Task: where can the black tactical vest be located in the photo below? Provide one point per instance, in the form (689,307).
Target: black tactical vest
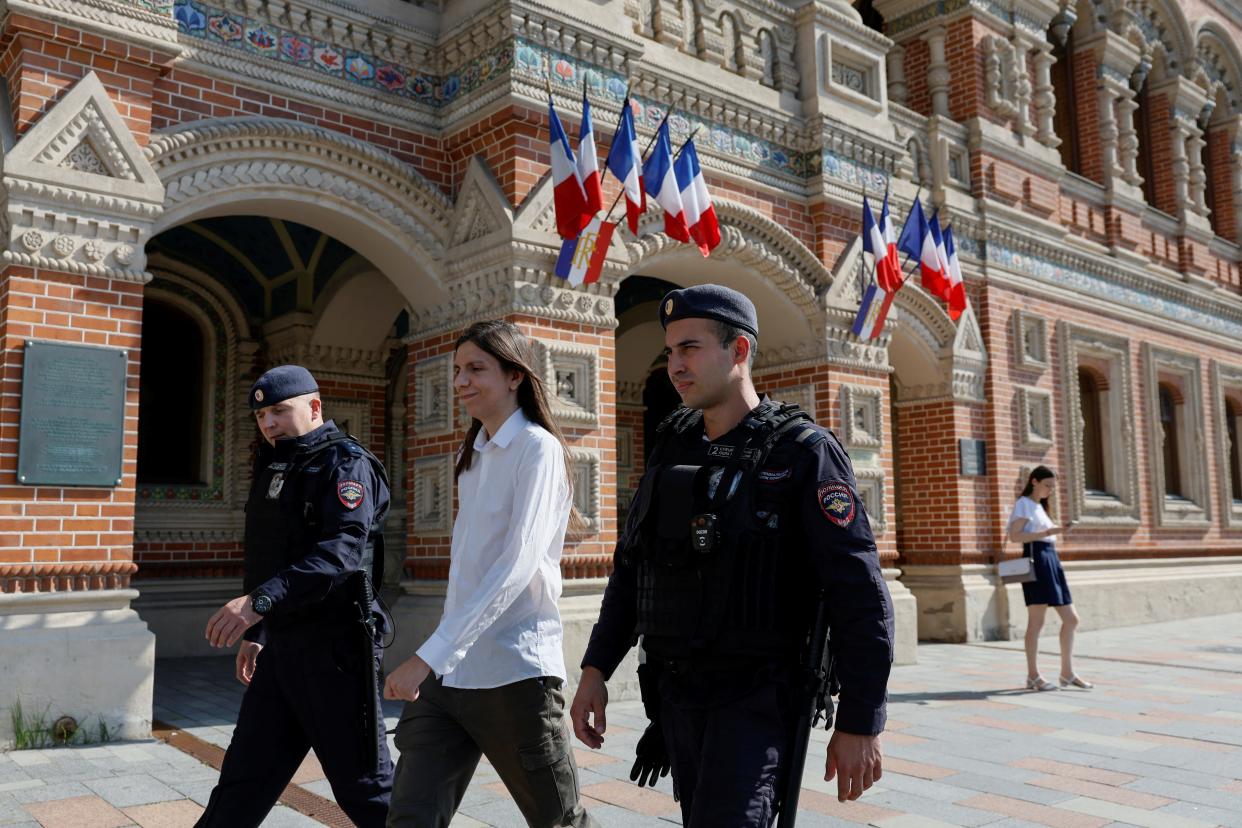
(283,519)
(722,567)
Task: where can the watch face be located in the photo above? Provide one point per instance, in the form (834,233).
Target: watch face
(262,604)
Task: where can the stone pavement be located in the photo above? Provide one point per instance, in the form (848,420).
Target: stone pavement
(1158,743)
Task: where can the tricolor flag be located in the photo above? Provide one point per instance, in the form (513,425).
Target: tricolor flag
(942,255)
(696,202)
(568,194)
(917,243)
(661,183)
(582,259)
(881,243)
(625,162)
(957,289)
(868,325)
(588,164)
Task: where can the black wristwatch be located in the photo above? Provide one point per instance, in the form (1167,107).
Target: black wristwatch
(261,603)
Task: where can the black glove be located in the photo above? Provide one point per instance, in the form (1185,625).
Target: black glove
(651,757)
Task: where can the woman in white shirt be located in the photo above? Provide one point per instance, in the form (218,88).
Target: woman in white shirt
(1030,526)
(488,680)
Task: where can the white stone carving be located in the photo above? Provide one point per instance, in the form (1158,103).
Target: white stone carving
(1111,356)
(584,470)
(1183,370)
(1030,336)
(571,378)
(625,449)
(112,203)
(433,495)
(481,208)
(433,396)
(802,396)
(351,416)
(861,416)
(871,492)
(1035,411)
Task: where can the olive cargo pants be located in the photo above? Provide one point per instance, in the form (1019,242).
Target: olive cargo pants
(519,727)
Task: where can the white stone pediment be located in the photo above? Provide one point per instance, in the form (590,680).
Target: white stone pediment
(848,278)
(81,197)
(482,209)
(83,144)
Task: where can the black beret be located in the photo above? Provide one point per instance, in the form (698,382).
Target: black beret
(281,383)
(710,302)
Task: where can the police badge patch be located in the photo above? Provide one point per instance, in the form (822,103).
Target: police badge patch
(275,485)
(837,502)
(350,493)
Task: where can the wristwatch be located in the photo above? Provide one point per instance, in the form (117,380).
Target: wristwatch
(261,603)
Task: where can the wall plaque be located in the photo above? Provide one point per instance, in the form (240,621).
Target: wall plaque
(974,457)
(73,415)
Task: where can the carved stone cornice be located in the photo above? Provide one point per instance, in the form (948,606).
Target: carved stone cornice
(123,21)
(65,577)
(328,360)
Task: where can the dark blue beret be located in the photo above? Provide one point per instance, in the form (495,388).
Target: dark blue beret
(710,302)
(281,383)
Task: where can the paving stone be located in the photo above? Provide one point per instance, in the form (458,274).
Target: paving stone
(180,813)
(77,812)
(1133,816)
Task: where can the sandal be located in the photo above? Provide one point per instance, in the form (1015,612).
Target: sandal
(1075,681)
(1039,683)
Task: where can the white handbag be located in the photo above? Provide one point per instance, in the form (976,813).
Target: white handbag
(1016,570)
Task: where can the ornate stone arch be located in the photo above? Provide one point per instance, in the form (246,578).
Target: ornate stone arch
(1163,27)
(379,206)
(1219,57)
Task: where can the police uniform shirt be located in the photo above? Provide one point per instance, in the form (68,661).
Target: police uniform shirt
(818,478)
(346,493)
(501,623)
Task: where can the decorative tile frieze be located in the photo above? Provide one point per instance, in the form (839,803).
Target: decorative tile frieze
(433,495)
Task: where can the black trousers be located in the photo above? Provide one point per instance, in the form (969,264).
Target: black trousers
(727,738)
(306,693)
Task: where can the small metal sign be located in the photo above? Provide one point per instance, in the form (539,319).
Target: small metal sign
(73,415)
(974,457)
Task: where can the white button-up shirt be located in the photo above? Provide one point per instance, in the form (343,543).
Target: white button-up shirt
(501,623)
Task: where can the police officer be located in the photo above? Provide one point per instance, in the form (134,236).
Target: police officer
(746,517)
(309,661)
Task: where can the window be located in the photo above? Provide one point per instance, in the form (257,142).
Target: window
(1065,114)
(1175,433)
(1233,410)
(1227,408)
(171,396)
(1169,435)
(1092,439)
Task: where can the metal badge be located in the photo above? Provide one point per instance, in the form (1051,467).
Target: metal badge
(275,485)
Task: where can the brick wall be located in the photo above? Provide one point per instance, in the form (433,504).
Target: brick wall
(58,538)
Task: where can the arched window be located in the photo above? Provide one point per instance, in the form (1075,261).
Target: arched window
(1089,392)
(1232,411)
(1145,134)
(1065,115)
(171,400)
(730,37)
(1170,448)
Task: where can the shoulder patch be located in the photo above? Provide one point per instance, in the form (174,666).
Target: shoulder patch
(836,501)
(350,493)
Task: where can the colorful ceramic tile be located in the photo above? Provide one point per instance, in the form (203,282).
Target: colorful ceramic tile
(261,40)
(390,77)
(360,68)
(189,19)
(328,59)
(224,27)
(295,49)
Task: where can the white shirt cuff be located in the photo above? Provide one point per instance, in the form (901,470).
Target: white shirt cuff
(439,654)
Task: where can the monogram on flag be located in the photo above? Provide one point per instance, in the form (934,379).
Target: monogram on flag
(582,259)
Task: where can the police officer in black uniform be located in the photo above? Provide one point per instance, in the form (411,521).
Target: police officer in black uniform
(746,518)
(310,661)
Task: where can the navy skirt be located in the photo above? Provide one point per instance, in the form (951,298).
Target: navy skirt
(1049,586)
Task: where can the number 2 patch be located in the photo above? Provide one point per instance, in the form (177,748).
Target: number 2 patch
(350,493)
(836,501)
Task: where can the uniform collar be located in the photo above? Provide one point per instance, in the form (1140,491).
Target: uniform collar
(286,446)
(505,434)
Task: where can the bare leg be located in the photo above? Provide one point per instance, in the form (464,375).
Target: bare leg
(1069,623)
(1034,624)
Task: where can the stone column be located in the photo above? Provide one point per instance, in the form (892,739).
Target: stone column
(1045,100)
(1180,164)
(1127,138)
(1198,175)
(938,72)
(897,89)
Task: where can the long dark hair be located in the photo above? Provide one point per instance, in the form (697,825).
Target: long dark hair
(1037,475)
(512,349)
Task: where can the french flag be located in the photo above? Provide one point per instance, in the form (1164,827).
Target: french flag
(582,259)
(880,242)
(588,164)
(568,193)
(624,162)
(868,325)
(957,289)
(942,256)
(696,202)
(917,243)
(661,182)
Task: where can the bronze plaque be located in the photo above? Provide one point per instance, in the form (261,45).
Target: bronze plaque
(73,415)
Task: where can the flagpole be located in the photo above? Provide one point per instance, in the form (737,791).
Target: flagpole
(650,144)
